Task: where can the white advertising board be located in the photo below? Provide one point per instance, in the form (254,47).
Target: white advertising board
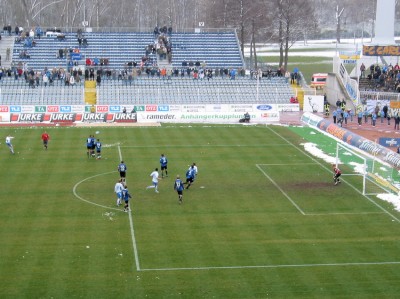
(313,103)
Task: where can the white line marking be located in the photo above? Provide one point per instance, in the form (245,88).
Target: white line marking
(135,251)
(328,169)
(277,266)
(288,164)
(344,213)
(134,245)
(280,189)
(206,145)
(90,202)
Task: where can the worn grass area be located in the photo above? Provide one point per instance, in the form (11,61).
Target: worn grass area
(262,219)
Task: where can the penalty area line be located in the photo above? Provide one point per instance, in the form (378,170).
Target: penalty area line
(280,189)
(277,266)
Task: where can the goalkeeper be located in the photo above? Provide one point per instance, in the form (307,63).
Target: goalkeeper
(336,174)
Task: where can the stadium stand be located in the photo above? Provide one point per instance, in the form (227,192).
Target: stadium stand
(116,53)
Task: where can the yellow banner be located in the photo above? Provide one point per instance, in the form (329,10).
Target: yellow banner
(381,50)
(394,104)
(350,55)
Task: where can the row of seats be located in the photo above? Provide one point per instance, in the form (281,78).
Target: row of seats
(218,49)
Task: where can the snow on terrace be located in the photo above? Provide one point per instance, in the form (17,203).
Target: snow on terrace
(313,149)
(324,48)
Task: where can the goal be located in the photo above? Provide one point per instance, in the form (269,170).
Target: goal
(371,175)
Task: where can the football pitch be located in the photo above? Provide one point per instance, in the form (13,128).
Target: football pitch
(262,219)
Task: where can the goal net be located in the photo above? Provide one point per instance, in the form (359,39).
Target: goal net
(367,173)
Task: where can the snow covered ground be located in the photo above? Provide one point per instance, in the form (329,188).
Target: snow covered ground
(325,48)
(316,152)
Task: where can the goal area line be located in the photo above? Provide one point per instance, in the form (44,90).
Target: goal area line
(293,201)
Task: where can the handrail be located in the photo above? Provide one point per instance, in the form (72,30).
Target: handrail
(240,49)
(378,95)
(143,30)
(351,85)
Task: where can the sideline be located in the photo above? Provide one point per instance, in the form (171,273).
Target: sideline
(134,245)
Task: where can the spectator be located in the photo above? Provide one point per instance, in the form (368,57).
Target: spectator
(396,122)
(362,70)
(8,52)
(373,118)
(45,79)
(156,32)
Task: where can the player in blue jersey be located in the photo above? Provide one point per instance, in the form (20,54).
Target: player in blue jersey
(178,186)
(122,171)
(93,147)
(164,165)
(98,148)
(89,145)
(195,170)
(126,196)
(190,174)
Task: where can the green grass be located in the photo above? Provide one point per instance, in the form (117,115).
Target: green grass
(263,219)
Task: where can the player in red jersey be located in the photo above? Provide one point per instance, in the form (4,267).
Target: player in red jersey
(336,174)
(45,139)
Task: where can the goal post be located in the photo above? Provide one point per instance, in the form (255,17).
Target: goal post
(375,176)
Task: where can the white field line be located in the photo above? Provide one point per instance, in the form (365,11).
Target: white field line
(329,170)
(280,189)
(205,145)
(277,266)
(344,213)
(293,202)
(286,164)
(134,246)
(90,202)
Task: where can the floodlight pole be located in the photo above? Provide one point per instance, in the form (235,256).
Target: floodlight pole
(258,83)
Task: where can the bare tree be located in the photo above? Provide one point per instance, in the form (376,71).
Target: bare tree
(33,9)
(291,17)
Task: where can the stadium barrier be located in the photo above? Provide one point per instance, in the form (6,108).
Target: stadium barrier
(223,113)
(361,143)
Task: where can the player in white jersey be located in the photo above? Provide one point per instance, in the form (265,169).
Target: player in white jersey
(154,179)
(8,142)
(118,188)
(195,170)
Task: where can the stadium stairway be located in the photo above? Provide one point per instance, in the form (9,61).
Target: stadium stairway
(6,42)
(90,93)
(299,92)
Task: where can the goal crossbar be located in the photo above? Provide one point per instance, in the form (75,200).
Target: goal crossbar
(376,175)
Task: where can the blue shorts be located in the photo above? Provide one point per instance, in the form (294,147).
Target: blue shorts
(119,195)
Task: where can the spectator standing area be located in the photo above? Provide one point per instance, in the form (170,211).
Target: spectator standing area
(204,68)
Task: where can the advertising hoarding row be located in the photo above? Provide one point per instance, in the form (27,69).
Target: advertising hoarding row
(224,113)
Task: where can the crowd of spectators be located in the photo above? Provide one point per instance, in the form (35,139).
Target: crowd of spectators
(162,43)
(97,68)
(384,78)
